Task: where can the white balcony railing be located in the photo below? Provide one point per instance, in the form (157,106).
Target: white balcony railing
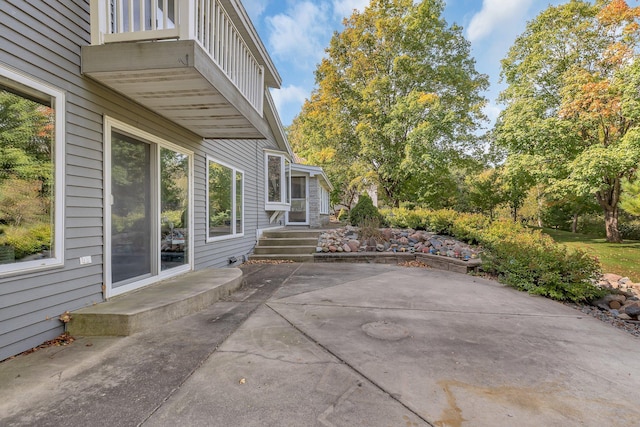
(205,21)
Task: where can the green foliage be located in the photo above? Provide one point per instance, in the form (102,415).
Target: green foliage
(398,98)
(630,198)
(630,230)
(571,101)
(364,211)
(174,217)
(27,240)
(531,261)
(614,258)
(22,202)
(520,257)
(219,218)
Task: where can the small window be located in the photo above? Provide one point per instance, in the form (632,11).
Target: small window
(31,173)
(278,182)
(225,202)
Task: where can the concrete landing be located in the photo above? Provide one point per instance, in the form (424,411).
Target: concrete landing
(164,301)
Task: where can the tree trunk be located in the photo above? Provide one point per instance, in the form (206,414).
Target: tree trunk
(608,200)
(574,223)
(611,225)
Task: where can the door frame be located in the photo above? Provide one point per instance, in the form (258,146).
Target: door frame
(306,193)
(111,124)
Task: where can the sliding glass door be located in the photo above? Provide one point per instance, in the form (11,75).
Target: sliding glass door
(131,210)
(149,206)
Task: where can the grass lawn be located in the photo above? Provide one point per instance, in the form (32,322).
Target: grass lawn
(619,258)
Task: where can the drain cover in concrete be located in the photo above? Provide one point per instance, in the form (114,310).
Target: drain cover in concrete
(385,330)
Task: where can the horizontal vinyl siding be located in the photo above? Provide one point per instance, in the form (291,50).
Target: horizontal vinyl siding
(43,40)
(247,156)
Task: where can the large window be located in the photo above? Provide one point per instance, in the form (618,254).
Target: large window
(225,202)
(278,182)
(31,173)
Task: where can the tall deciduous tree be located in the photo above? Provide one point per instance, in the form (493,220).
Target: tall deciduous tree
(572,99)
(397,97)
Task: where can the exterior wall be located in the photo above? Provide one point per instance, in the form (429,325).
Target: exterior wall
(248,156)
(316,219)
(42,39)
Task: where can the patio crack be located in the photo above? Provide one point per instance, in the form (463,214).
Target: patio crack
(353,368)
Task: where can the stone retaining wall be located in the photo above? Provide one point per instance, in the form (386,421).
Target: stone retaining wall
(433,261)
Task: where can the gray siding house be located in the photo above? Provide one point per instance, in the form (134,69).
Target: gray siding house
(138,141)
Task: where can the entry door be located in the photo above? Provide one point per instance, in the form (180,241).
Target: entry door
(149,212)
(298,212)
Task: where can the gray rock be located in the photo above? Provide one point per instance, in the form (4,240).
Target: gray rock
(632,310)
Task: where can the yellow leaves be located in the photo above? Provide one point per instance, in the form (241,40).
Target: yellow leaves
(325,155)
(427,98)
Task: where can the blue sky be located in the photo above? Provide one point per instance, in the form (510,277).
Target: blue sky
(296,33)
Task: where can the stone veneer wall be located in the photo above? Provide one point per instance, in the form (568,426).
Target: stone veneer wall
(314,202)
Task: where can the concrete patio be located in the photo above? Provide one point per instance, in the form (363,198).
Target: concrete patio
(337,345)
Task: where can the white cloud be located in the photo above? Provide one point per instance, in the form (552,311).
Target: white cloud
(255,8)
(289,100)
(492,111)
(497,15)
(300,34)
(344,8)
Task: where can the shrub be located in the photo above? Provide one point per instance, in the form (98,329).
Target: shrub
(364,211)
(519,256)
(630,230)
(27,241)
(532,261)
(370,228)
(469,227)
(441,221)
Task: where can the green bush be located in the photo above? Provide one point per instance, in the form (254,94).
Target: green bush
(27,241)
(630,230)
(441,221)
(364,211)
(532,261)
(518,256)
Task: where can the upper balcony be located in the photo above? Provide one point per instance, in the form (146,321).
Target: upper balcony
(199,63)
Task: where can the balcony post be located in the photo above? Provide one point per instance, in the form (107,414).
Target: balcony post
(99,21)
(187,19)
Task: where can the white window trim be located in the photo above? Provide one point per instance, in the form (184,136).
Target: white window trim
(24,82)
(111,124)
(234,234)
(285,189)
(324,201)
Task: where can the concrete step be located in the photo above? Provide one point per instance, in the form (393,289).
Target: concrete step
(308,234)
(293,250)
(153,305)
(288,241)
(289,257)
